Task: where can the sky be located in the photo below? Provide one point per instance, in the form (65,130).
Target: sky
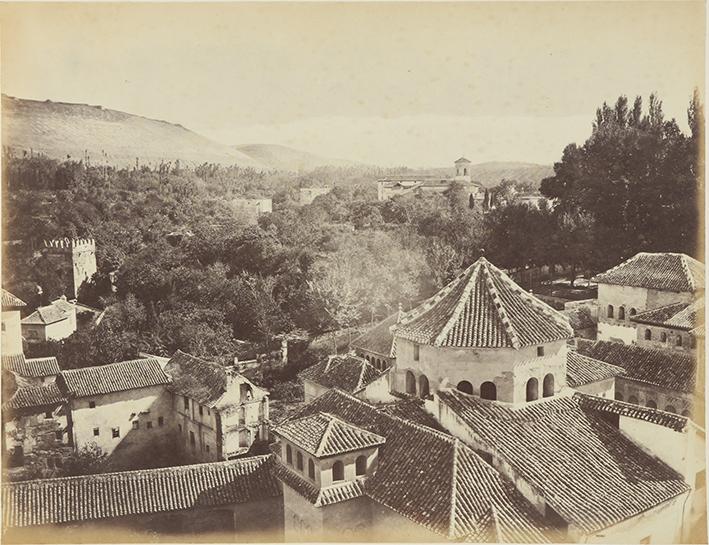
(415,84)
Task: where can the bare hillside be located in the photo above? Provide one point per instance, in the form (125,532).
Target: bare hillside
(284,158)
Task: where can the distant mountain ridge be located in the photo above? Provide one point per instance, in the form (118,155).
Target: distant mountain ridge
(61,129)
(280,157)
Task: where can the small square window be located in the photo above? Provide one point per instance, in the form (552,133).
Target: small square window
(150,424)
(161,421)
(48,414)
(540,351)
(416,352)
(115,432)
(92,404)
(96,432)
(59,434)
(136,424)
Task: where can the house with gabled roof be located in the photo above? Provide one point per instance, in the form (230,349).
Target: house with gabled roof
(349,373)
(646,281)
(485,334)
(591,376)
(52,322)
(671,327)
(218,412)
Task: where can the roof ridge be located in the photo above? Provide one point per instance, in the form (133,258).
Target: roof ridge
(462,301)
(687,272)
(495,523)
(500,309)
(326,433)
(454,490)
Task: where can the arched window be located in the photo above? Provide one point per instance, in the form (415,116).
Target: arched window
(678,341)
(423,386)
(633,312)
(633,400)
(488,390)
(368,359)
(465,172)
(289,455)
(610,311)
(361,465)
(410,383)
(311,469)
(687,413)
(532,389)
(670,409)
(621,313)
(663,337)
(619,396)
(299,461)
(548,385)
(652,404)
(338,471)
(648,335)
(465,386)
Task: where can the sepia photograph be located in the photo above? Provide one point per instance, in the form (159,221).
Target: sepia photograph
(353,272)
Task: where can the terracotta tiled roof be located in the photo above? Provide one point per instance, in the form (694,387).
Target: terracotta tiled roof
(432,478)
(659,271)
(45,316)
(685,316)
(10,301)
(114,377)
(108,495)
(668,369)
(412,409)
(35,397)
(379,339)
(33,367)
(582,369)
(349,373)
(201,380)
(320,497)
(585,469)
(631,410)
(323,435)
(483,308)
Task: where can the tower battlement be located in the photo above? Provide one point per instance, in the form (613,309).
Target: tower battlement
(75,255)
(71,244)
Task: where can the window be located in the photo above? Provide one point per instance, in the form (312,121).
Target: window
(115,432)
(186,403)
(663,337)
(488,390)
(423,387)
(532,389)
(299,461)
(410,383)
(540,351)
(200,410)
(136,424)
(610,311)
(648,335)
(3,326)
(179,428)
(621,313)
(338,471)
(92,404)
(465,387)
(619,396)
(289,455)
(48,414)
(633,400)
(670,409)
(548,385)
(700,479)
(687,413)
(416,352)
(161,421)
(633,312)
(192,440)
(652,404)
(678,341)
(361,465)
(150,424)
(311,469)
(96,432)
(207,447)
(59,434)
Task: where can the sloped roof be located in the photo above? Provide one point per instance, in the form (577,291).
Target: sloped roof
(684,316)
(379,339)
(200,380)
(10,301)
(35,397)
(349,373)
(582,369)
(323,434)
(431,478)
(114,377)
(32,367)
(108,495)
(483,308)
(660,271)
(669,369)
(632,410)
(462,160)
(587,471)
(45,316)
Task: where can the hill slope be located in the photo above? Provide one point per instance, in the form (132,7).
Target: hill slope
(284,158)
(58,129)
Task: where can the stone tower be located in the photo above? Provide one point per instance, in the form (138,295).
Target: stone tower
(77,254)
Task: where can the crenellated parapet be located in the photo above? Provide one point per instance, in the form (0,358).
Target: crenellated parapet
(70,244)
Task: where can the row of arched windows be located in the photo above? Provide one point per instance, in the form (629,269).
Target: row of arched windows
(663,338)
(652,404)
(488,390)
(423,389)
(378,363)
(338,468)
(621,312)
